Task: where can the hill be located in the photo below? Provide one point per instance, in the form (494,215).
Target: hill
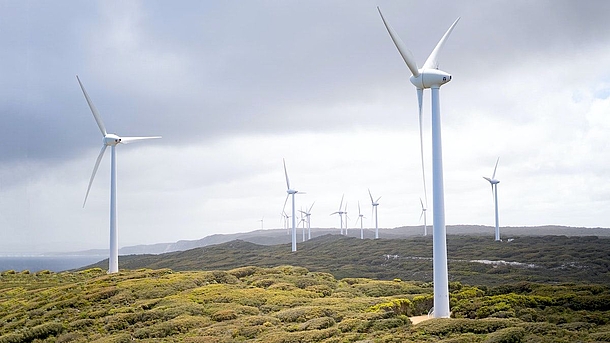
(473,260)
(284,305)
(280,236)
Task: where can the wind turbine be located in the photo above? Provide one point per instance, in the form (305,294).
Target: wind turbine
(340,213)
(302,220)
(429,76)
(110,140)
(346,218)
(494,192)
(292,192)
(261,220)
(285,220)
(375,203)
(423,214)
(360,216)
(308,217)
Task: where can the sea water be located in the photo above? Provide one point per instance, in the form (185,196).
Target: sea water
(54,263)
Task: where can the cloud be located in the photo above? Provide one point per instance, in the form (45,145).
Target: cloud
(234,88)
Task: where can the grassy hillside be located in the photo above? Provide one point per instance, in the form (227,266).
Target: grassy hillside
(284,305)
(549,259)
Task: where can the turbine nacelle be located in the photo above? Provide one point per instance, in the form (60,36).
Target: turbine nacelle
(292,191)
(430,78)
(111,139)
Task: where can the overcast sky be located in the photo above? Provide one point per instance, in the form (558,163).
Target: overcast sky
(234,87)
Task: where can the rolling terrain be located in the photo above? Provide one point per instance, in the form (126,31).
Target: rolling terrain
(473,260)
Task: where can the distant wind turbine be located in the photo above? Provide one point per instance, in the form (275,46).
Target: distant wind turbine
(261,220)
(423,214)
(302,220)
(346,218)
(375,203)
(340,213)
(285,218)
(494,192)
(110,140)
(292,192)
(308,217)
(360,216)
(429,76)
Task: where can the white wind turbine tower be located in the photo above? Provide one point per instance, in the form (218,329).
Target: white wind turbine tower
(423,214)
(345,212)
(375,203)
(292,192)
(285,218)
(360,216)
(494,192)
(308,218)
(340,213)
(429,76)
(110,140)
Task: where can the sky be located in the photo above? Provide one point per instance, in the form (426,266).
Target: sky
(234,87)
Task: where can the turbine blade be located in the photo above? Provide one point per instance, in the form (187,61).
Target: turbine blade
(377,199)
(309,211)
(422,214)
(299,192)
(96,115)
(285,201)
(432,61)
(97,164)
(359,208)
(420,98)
(341,204)
(486,178)
(496,167)
(286,173)
(127,140)
(371,196)
(406,54)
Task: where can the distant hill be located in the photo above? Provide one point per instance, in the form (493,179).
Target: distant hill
(280,236)
(475,260)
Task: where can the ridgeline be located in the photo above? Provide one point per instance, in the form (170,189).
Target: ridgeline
(473,260)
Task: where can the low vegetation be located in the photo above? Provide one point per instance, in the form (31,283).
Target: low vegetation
(472,260)
(287,304)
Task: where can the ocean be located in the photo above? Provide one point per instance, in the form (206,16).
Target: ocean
(35,263)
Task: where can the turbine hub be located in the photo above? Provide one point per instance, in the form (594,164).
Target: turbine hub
(111,139)
(292,191)
(430,78)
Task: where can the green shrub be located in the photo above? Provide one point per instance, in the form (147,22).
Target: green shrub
(243,271)
(601,336)
(507,335)
(263,283)
(463,338)
(164,329)
(69,337)
(305,313)
(223,315)
(445,326)
(422,304)
(389,323)
(317,324)
(396,306)
(321,290)
(352,324)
